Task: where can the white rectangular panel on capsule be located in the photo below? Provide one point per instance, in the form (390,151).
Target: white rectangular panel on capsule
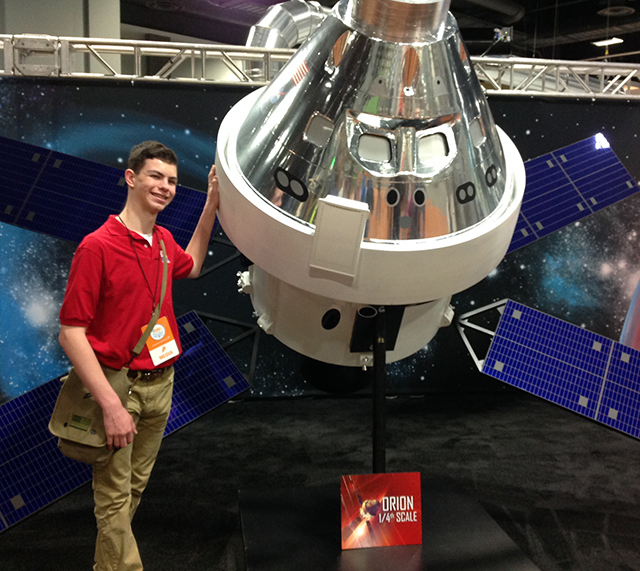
(340,226)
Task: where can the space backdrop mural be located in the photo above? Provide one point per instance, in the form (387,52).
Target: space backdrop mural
(586,273)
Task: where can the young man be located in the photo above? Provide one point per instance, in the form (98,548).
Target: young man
(114,285)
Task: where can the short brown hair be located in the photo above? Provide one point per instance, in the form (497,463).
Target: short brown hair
(150,150)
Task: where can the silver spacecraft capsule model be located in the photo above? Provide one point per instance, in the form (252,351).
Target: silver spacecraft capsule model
(369,172)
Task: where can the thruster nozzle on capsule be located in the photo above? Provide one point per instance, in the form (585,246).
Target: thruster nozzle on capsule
(368,172)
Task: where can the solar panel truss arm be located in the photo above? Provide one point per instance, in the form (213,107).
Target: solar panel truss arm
(464,323)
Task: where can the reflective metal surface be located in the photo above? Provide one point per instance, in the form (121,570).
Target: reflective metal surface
(402,21)
(286,25)
(403,127)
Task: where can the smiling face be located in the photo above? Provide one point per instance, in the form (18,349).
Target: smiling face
(153,187)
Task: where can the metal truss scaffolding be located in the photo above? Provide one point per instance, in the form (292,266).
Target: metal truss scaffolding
(67,57)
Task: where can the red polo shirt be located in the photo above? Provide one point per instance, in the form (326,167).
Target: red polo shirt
(107,292)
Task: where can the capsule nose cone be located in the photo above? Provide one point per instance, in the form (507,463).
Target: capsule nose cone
(402,21)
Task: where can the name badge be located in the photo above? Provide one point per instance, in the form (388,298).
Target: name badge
(161,343)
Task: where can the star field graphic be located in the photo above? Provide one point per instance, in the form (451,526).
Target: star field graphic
(586,273)
(30,297)
(90,120)
(631,330)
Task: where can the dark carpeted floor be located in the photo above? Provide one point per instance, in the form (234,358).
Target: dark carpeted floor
(565,489)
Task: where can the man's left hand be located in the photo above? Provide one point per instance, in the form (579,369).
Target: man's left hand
(212,190)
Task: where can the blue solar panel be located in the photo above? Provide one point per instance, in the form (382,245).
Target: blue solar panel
(567,185)
(182,215)
(567,365)
(33,472)
(68,197)
(212,377)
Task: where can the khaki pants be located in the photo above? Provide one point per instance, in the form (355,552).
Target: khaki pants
(118,485)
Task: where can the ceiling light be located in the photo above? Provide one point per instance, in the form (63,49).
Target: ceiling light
(615,8)
(608,42)
(163,5)
(617,11)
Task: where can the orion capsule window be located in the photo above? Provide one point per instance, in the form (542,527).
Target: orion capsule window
(375,148)
(432,146)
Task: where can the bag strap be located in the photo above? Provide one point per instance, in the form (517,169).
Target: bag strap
(156,312)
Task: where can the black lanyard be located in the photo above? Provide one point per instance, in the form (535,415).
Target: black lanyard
(135,251)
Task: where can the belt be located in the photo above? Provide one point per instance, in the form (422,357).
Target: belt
(146,376)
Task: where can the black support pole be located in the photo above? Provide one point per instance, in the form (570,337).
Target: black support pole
(379,392)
